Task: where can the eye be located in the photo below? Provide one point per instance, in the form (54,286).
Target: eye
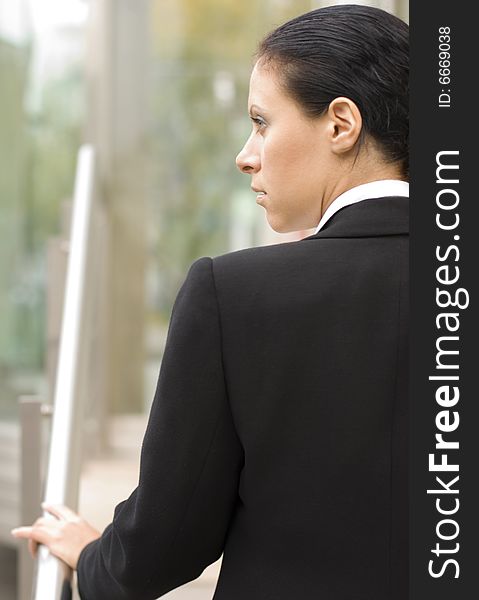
(259,122)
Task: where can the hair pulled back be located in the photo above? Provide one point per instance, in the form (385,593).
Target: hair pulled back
(348,50)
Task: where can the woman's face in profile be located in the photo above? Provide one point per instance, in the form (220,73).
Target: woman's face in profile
(287,155)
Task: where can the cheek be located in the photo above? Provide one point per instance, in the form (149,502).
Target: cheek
(286,157)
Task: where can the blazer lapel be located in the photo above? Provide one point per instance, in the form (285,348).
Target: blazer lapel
(368,218)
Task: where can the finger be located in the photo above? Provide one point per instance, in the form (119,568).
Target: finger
(47,521)
(40,534)
(22,532)
(32,547)
(27,532)
(60,511)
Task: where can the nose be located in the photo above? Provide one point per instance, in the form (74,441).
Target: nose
(248,160)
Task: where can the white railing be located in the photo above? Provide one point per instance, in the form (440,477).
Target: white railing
(53,578)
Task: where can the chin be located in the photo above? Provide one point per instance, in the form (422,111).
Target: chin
(280,226)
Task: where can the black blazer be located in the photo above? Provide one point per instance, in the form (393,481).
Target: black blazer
(279,428)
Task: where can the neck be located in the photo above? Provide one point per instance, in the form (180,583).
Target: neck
(359,176)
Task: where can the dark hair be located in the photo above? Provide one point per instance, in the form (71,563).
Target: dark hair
(348,50)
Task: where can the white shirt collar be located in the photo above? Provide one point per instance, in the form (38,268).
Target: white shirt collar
(365,191)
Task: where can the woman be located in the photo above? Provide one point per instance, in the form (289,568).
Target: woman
(278,432)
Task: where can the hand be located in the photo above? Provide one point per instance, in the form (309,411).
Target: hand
(65,536)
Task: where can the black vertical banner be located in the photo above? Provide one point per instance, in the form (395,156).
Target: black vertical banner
(444,274)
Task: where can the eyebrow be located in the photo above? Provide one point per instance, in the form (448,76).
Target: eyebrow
(255,107)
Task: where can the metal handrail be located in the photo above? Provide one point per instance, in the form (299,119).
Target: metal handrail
(53,577)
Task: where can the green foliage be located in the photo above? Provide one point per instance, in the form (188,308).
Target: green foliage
(37,161)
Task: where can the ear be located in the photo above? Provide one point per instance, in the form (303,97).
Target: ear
(345,123)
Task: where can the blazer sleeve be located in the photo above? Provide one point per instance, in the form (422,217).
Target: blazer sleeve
(175,522)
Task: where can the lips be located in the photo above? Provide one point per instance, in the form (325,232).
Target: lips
(259,193)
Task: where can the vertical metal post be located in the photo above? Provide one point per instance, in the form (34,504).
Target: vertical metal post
(53,577)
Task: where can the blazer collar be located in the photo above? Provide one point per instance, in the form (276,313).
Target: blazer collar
(368,218)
